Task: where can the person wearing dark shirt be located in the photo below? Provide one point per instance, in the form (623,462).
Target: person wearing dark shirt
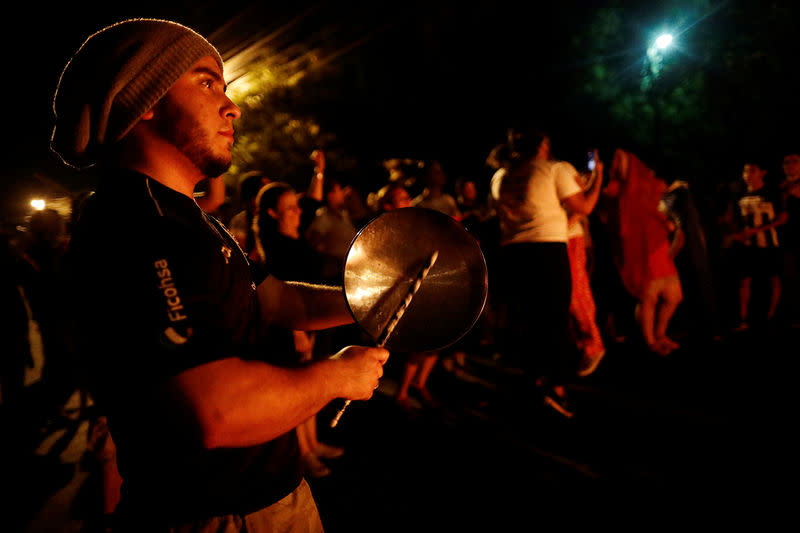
(167,313)
(759,212)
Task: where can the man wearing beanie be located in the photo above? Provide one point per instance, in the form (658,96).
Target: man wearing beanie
(168,316)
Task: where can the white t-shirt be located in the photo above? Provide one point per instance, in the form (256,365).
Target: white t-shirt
(530,202)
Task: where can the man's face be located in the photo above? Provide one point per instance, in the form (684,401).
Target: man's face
(197,117)
(753,175)
(791,165)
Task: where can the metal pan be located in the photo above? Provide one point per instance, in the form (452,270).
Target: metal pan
(384,261)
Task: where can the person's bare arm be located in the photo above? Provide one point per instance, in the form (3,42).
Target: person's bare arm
(582,203)
(234,403)
(315,187)
(302,306)
(746,233)
(677,243)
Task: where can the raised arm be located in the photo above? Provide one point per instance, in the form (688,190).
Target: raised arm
(583,203)
(315,188)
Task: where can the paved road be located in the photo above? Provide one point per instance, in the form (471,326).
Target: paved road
(696,426)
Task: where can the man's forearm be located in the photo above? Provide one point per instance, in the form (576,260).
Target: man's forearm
(302,306)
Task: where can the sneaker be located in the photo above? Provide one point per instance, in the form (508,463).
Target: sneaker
(326,451)
(558,404)
(314,467)
(589,363)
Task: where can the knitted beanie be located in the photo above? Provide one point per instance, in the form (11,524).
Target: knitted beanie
(116,76)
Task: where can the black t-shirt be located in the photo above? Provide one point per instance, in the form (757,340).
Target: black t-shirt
(757,208)
(163,287)
(292,259)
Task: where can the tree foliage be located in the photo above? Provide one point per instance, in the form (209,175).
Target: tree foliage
(274,134)
(719,90)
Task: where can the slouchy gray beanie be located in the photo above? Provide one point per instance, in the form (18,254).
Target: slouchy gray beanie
(117,75)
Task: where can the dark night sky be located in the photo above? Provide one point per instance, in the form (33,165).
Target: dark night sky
(439,78)
(424,82)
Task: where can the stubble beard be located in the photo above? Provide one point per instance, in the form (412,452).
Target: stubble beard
(196,150)
(185,133)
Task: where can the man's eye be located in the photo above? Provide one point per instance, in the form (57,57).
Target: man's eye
(207,83)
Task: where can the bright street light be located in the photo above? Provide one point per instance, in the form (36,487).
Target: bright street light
(663,41)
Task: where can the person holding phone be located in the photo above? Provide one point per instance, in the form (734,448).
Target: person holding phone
(533,277)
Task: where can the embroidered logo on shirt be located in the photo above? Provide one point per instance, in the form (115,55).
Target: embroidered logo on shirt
(176,338)
(167,287)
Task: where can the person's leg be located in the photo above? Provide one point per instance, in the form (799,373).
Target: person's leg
(583,309)
(744,300)
(314,467)
(320,449)
(645,316)
(550,335)
(554,343)
(775,295)
(768,266)
(425,369)
(410,370)
(311,432)
(670,296)
(303,439)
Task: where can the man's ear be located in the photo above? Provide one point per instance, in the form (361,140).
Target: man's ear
(271,212)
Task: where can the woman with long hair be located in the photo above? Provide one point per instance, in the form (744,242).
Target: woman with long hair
(286,255)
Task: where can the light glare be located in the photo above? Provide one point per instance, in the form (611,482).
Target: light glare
(663,41)
(37,204)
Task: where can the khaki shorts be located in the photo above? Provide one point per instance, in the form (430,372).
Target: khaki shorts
(296,513)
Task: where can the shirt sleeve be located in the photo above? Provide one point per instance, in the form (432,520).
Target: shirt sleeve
(566,180)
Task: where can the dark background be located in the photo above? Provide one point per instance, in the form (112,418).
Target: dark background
(445,79)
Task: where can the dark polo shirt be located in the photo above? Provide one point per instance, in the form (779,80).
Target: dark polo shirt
(161,287)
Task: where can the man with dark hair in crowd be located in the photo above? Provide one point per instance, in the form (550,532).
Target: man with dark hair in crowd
(168,315)
(759,212)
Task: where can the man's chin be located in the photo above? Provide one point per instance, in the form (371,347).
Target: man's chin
(215,169)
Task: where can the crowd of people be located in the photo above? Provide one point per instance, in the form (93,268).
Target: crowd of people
(237,329)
